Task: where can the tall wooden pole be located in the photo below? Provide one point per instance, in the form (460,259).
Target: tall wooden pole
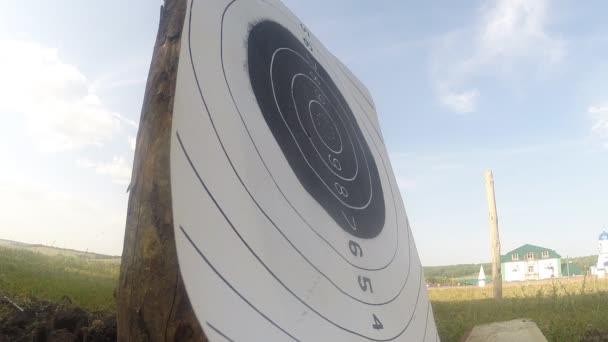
(152,303)
(496,272)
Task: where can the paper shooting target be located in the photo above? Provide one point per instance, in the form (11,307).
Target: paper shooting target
(288,220)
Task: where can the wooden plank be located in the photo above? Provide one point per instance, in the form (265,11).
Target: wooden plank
(496,271)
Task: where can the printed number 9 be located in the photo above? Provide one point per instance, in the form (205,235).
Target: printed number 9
(335,162)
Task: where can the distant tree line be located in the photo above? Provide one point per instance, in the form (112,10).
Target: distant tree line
(450,275)
(456,271)
(583,262)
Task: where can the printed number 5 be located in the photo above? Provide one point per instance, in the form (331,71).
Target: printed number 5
(303,27)
(308,45)
(364,283)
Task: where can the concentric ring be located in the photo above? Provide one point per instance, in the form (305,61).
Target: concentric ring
(346,219)
(284,82)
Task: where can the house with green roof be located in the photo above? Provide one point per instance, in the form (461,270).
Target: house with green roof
(530,262)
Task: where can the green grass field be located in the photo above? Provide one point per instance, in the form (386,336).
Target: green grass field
(87,282)
(574,310)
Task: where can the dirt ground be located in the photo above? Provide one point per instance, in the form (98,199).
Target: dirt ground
(42,321)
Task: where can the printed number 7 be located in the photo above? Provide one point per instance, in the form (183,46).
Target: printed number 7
(352,225)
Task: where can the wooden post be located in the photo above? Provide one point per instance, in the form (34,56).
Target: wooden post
(496,272)
(152,304)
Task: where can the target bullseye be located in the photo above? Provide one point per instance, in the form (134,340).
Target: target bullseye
(326,130)
(286,79)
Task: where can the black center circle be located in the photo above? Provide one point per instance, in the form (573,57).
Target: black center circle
(315,129)
(325,127)
(301,87)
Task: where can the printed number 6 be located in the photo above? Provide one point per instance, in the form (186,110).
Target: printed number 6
(355,248)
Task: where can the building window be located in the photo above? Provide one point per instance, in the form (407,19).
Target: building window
(545,254)
(530,255)
(515,256)
(530,269)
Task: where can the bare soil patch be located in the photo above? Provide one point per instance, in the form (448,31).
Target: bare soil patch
(42,321)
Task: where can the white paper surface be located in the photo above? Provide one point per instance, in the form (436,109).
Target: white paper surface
(288,219)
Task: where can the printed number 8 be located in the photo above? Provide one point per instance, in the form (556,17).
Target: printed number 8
(340,189)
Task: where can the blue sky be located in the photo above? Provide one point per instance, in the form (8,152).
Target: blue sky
(518,87)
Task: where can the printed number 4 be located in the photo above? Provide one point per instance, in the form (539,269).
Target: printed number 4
(377,324)
(303,27)
(306,37)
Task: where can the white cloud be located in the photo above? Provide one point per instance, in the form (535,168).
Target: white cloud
(517,28)
(132,72)
(35,213)
(599,128)
(508,40)
(464,102)
(108,83)
(54,98)
(119,170)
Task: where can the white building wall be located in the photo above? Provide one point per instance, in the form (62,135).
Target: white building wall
(600,268)
(542,269)
(515,271)
(548,268)
(602,246)
(602,258)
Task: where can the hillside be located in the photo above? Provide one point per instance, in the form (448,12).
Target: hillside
(55,294)
(85,282)
(49,250)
